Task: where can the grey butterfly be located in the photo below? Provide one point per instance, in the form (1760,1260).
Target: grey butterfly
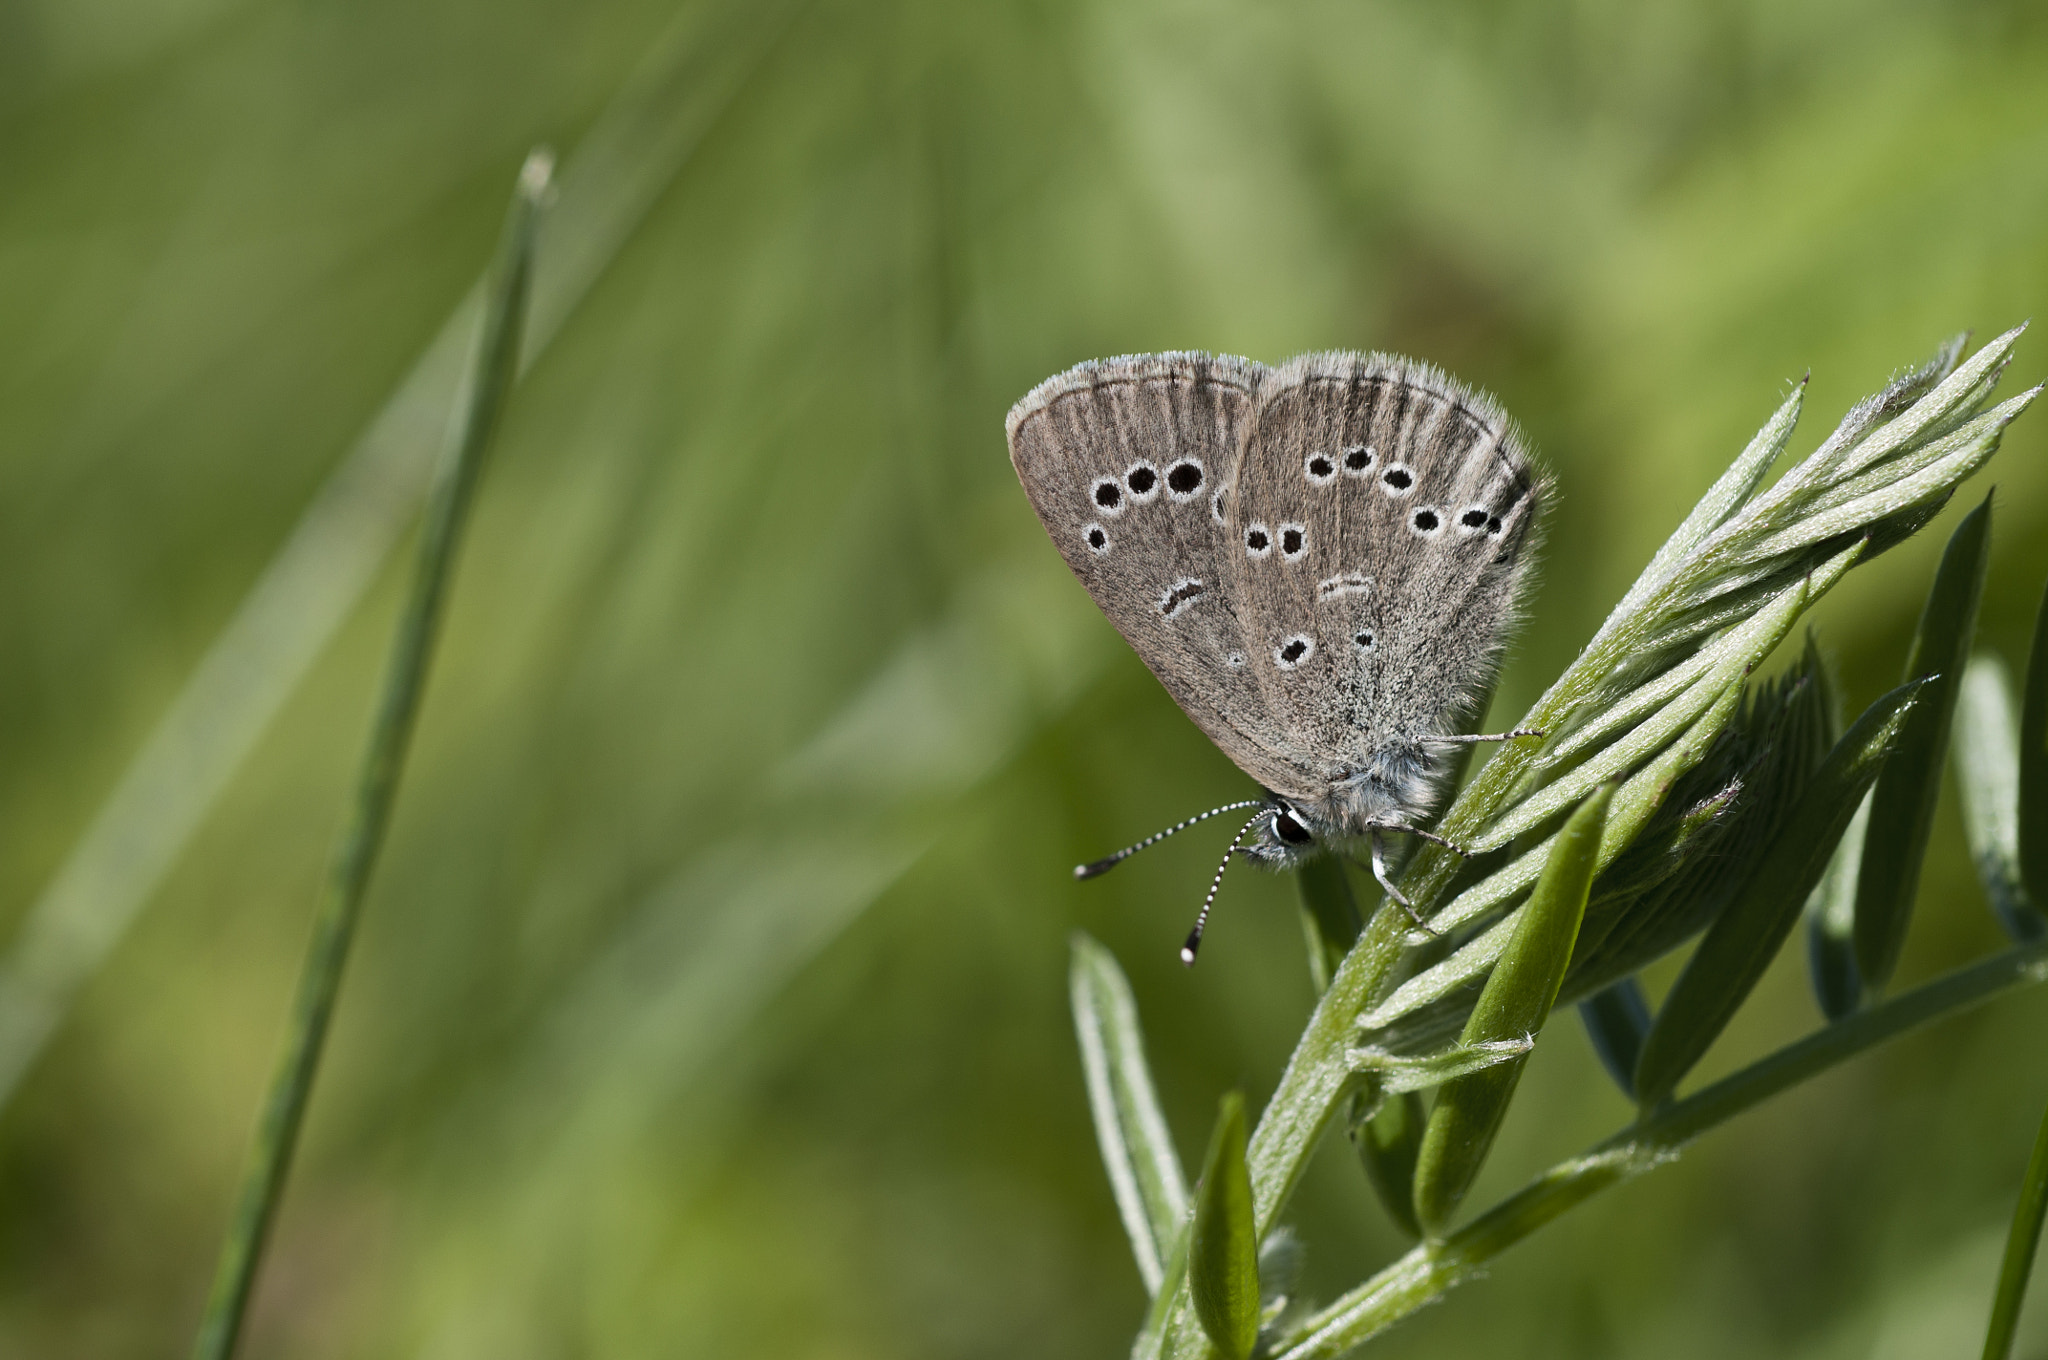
(1319,561)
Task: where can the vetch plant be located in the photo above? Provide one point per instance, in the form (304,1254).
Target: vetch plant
(1671,797)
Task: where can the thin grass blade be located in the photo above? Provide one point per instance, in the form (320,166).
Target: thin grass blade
(1137,1148)
(1329,916)
(495,366)
(1985,758)
(1388,1144)
(1902,804)
(1512,1007)
(2021,1242)
(1831,924)
(1617,1020)
(2033,812)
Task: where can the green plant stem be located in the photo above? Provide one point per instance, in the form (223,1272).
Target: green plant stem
(1431,1270)
(495,365)
(2020,1245)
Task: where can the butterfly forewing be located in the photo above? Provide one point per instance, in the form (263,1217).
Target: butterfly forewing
(1129,464)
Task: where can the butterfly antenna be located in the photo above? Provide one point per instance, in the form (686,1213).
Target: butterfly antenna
(1187,951)
(1108,862)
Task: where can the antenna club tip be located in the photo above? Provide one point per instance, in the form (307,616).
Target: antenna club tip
(1187,955)
(1098,867)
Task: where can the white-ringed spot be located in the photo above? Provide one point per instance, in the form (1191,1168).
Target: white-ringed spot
(1107,495)
(1320,468)
(1426,522)
(1293,651)
(1097,539)
(1257,542)
(1397,479)
(1473,520)
(1358,460)
(1142,480)
(1293,540)
(1184,480)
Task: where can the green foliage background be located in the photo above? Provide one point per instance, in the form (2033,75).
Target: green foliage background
(712,996)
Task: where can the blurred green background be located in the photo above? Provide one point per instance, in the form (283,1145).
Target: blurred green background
(712,994)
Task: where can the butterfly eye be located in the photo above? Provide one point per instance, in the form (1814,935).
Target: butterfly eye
(1288,829)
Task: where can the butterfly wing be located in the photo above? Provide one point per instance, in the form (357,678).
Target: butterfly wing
(1377,549)
(1128,463)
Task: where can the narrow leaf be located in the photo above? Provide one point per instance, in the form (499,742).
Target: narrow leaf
(1144,1170)
(1617,1020)
(2033,829)
(1742,940)
(1395,1073)
(1986,762)
(2020,1244)
(1223,1253)
(1513,1005)
(1329,916)
(1831,924)
(1902,806)
(1388,1144)
(1723,499)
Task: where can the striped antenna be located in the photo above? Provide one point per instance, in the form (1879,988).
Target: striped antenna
(1187,951)
(1108,862)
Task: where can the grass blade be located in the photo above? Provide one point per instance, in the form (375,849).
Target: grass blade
(1137,1149)
(1617,1020)
(494,368)
(311,586)
(1223,1251)
(1831,924)
(1741,942)
(1329,916)
(1388,1145)
(1986,762)
(2033,816)
(1512,1007)
(1902,805)
(2020,1245)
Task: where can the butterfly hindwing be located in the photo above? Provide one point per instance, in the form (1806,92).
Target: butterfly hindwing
(1397,503)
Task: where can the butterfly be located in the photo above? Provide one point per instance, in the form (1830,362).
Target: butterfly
(1320,562)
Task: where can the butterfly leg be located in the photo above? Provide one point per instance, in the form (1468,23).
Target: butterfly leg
(1473,738)
(1460,851)
(1379,871)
